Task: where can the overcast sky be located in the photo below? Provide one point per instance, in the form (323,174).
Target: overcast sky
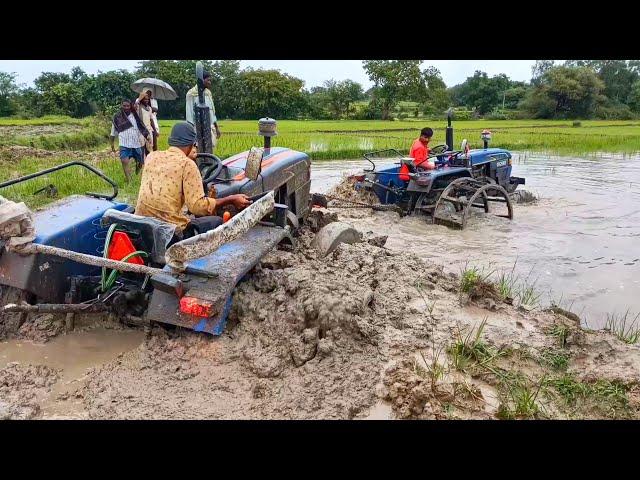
(313,72)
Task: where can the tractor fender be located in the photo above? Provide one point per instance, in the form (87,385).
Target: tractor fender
(332,235)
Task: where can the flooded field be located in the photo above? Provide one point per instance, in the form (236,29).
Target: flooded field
(577,245)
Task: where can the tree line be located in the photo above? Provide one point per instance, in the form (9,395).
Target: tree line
(608,89)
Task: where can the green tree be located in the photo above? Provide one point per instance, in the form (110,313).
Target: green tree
(106,90)
(393,80)
(226,88)
(483,93)
(338,97)
(8,93)
(271,93)
(515,94)
(435,97)
(566,92)
(633,99)
(539,69)
(63,94)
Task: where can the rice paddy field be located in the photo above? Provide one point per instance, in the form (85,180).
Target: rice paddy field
(27,146)
(350,139)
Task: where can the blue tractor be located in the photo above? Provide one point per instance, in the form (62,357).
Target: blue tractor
(463,179)
(91,253)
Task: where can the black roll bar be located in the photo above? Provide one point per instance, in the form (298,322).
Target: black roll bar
(63,166)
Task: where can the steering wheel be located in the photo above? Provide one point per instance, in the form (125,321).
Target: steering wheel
(210,172)
(438,150)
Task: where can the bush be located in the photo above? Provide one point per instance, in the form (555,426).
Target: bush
(614,112)
(461,114)
(505,115)
(576,123)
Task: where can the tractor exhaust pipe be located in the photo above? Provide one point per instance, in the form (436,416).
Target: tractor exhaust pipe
(449,131)
(267,129)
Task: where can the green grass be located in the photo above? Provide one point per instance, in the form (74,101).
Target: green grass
(46,120)
(554,358)
(341,139)
(345,139)
(624,327)
(561,332)
(519,397)
(470,351)
(338,139)
(75,180)
(604,397)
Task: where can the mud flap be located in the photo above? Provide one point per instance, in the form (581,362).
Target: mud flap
(213,279)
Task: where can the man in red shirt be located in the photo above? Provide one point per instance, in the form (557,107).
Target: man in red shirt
(420,151)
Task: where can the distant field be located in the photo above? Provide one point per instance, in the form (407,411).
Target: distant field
(85,139)
(349,138)
(352,138)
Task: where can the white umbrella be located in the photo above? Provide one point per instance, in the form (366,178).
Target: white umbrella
(160,90)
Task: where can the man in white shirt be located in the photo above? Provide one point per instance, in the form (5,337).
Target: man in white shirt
(153,103)
(131,133)
(192,100)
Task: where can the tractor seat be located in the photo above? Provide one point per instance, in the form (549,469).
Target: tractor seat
(154,234)
(408,161)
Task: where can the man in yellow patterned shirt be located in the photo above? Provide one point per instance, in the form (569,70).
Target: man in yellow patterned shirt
(171,179)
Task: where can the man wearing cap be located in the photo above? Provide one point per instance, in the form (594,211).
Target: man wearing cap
(192,100)
(171,180)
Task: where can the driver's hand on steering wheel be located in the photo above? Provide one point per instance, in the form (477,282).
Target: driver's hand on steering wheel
(240,201)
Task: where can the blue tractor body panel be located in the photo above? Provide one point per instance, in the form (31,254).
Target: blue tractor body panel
(73,224)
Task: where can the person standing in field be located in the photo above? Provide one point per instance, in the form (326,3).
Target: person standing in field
(192,100)
(131,133)
(154,117)
(143,108)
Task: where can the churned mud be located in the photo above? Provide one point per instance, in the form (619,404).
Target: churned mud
(343,336)
(368,331)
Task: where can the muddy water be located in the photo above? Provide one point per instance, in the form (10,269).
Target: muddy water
(74,354)
(579,244)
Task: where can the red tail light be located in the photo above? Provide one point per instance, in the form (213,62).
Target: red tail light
(196,306)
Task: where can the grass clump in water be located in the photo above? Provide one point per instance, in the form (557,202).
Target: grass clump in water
(623,327)
(473,278)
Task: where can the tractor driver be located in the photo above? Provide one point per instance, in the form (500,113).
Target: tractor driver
(420,150)
(171,179)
